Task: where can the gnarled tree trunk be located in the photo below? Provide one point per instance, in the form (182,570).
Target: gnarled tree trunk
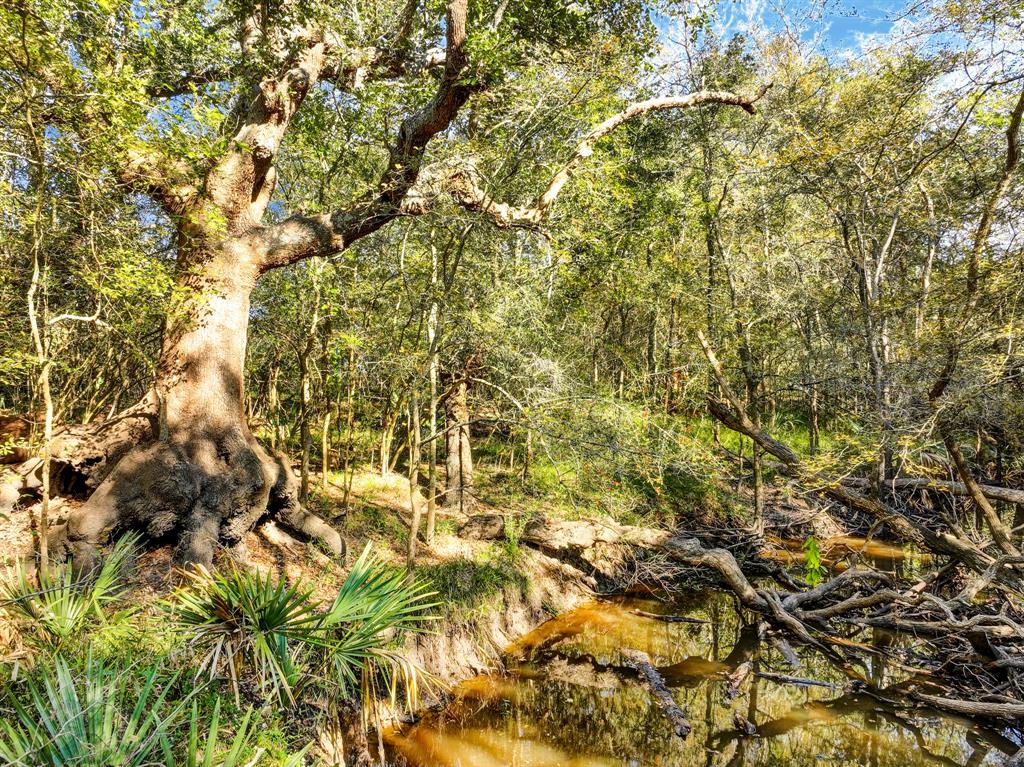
(196,475)
(182,464)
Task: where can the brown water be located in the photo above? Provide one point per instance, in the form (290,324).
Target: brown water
(841,552)
(567,702)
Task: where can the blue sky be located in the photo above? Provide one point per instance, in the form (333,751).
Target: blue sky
(835,25)
(847,23)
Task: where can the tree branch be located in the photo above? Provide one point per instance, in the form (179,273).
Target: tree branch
(463,181)
(300,237)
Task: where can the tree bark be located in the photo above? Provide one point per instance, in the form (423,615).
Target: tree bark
(459,454)
(182,464)
(325,450)
(432,407)
(200,477)
(414,473)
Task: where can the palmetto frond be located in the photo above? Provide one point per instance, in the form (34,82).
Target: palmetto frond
(374,602)
(97,721)
(59,601)
(242,619)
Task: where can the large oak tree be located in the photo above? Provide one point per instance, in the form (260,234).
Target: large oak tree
(182,463)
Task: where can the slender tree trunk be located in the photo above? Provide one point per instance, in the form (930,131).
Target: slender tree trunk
(527,454)
(274,406)
(325,450)
(926,268)
(669,364)
(414,472)
(983,508)
(432,407)
(651,388)
(306,390)
(814,436)
(388,423)
(709,221)
(39,338)
(350,423)
(305,433)
(811,385)
(459,455)
(752,405)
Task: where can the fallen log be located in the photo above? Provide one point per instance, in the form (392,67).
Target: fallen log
(578,536)
(977,708)
(787,652)
(994,492)
(668,618)
(659,691)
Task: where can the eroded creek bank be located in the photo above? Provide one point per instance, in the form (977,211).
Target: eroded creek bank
(567,695)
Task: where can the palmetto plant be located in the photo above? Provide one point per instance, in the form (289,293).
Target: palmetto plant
(245,622)
(98,722)
(59,601)
(102,720)
(374,601)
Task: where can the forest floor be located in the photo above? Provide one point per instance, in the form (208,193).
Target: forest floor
(488,593)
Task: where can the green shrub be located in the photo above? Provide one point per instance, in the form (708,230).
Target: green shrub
(241,621)
(98,722)
(467,583)
(58,602)
(102,719)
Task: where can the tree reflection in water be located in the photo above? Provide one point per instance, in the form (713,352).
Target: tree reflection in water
(568,701)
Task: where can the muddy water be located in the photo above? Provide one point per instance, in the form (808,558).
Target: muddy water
(567,701)
(841,552)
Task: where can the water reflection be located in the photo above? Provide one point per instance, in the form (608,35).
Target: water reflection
(841,552)
(567,700)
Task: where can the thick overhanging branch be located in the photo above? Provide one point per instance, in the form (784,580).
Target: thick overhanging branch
(300,237)
(408,189)
(144,168)
(462,180)
(241,183)
(350,69)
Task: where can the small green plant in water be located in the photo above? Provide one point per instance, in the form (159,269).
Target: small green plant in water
(814,570)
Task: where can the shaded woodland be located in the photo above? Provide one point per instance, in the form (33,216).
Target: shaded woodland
(322,326)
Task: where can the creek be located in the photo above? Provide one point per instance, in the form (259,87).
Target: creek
(567,698)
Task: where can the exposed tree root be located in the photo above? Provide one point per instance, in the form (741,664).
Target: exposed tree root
(203,492)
